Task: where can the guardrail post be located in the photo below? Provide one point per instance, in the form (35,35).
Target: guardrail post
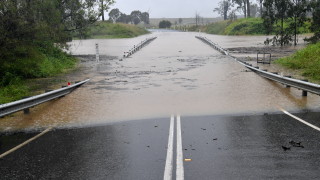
(288,86)
(304,93)
(97,52)
(26,111)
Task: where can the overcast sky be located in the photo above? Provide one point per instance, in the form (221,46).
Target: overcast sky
(169,8)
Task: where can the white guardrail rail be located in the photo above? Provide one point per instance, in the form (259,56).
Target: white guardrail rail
(138,47)
(9,108)
(286,80)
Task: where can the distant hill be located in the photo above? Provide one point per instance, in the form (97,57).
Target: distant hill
(154,22)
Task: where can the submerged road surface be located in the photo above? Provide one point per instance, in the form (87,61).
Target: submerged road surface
(176,73)
(176,109)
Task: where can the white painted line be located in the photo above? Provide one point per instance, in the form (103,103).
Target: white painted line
(25,143)
(169,159)
(304,122)
(180,169)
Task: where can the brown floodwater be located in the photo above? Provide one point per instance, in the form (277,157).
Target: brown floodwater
(174,74)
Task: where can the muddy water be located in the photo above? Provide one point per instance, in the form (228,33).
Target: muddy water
(175,74)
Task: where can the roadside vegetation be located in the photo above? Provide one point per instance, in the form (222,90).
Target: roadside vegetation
(106,30)
(285,19)
(250,26)
(243,26)
(306,60)
(38,63)
(32,36)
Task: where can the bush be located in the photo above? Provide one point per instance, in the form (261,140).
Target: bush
(14,91)
(30,62)
(165,24)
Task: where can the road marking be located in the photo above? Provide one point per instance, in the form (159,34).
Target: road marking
(25,143)
(304,122)
(169,159)
(180,170)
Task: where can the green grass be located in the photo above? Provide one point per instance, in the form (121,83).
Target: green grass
(34,62)
(252,26)
(217,28)
(13,92)
(307,60)
(106,30)
(244,26)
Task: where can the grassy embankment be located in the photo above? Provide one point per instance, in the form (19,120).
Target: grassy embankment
(105,30)
(250,26)
(306,60)
(29,62)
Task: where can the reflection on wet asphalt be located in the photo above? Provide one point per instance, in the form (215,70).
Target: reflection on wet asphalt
(250,147)
(217,147)
(176,73)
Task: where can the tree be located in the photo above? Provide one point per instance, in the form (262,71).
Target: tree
(145,17)
(136,17)
(315,25)
(297,12)
(277,12)
(180,20)
(248,8)
(165,24)
(114,15)
(105,6)
(29,27)
(261,7)
(254,10)
(124,18)
(223,8)
(244,5)
(274,16)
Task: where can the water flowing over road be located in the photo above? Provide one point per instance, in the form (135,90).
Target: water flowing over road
(176,73)
(176,109)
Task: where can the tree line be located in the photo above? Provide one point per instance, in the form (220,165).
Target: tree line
(136,17)
(284,18)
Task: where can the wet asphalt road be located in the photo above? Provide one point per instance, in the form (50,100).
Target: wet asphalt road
(218,147)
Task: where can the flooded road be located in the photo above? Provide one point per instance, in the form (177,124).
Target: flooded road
(174,74)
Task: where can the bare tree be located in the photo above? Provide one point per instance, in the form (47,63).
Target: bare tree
(224,8)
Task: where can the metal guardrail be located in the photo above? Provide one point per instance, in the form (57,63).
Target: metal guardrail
(138,47)
(286,80)
(9,108)
(213,45)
